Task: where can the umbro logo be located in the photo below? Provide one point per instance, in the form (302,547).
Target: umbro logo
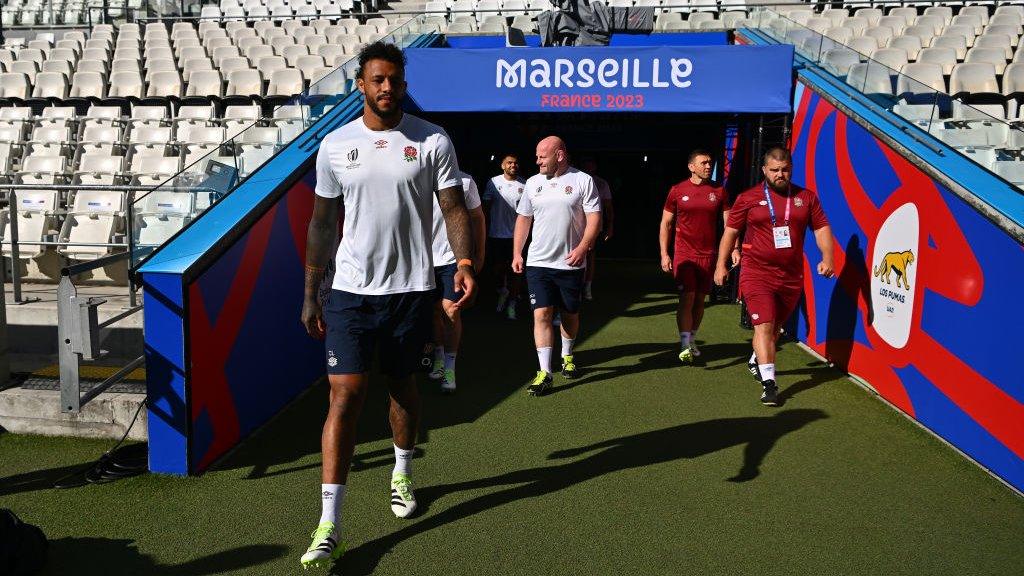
(381,144)
(328,494)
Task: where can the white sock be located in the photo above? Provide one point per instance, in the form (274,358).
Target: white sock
(684,339)
(449,361)
(331,497)
(544,358)
(587,285)
(439,353)
(567,344)
(753,358)
(767,371)
(403,461)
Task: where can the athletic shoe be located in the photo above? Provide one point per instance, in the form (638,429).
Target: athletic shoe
(437,370)
(694,349)
(686,355)
(325,549)
(403,501)
(510,312)
(752,367)
(770,393)
(448,382)
(569,367)
(502,300)
(541,382)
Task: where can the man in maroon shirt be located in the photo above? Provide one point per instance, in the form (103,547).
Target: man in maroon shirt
(692,208)
(774,216)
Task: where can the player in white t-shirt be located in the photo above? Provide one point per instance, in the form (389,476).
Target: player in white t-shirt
(448,316)
(589,165)
(501,198)
(379,174)
(563,209)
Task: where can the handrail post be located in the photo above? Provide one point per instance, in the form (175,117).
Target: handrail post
(15,252)
(70,386)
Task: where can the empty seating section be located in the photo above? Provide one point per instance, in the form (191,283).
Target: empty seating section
(956,71)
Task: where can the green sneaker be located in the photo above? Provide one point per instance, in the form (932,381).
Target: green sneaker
(403,501)
(325,549)
(541,382)
(569,367)
(448,382)
(686,355)
(437,369)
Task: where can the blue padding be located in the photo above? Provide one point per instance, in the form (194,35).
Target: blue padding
(165,374)
(655,39)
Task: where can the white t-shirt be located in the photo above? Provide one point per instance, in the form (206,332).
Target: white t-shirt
(442,249)
(559,207)
(504,197)
(387,180)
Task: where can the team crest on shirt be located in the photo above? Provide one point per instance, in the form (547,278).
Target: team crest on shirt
(686,198)
(381,144)
(798,202)
(410,154)
(712,197)
(568,190)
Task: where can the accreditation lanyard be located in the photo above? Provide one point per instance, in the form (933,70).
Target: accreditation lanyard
(780,234)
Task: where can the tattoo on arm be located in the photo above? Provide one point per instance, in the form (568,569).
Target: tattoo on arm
(456,219)
(320,239)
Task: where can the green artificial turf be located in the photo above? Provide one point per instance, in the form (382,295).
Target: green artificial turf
(641,466)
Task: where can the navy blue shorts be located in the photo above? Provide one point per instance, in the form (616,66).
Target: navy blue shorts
(554,287)
(357,325)
(444,278)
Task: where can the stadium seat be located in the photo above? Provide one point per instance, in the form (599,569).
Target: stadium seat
(880,34)
(893,58)
(955,42)
(198,115)
(907,14)
(975,82)
(967,32)
(93,218)
(945,13)
(895,23)
(158,215)
(125,83)
(933,23)
(839,60)
(48,140)
(293,52)
(98,169)
(1010,170)
(238,118)
(981,12)
(871,79)
(50,85)
(36,220)
(910,44)
(1009,31)
(205,83)
(993,56)
(1000,41)
(154,170)
(944,57)
(246,82)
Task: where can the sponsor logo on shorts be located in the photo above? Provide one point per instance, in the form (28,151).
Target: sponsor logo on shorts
(533,298)
(755,316)
(332,360)
(410,154)
(381,144)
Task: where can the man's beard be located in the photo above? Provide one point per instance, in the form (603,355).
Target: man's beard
(782,187)
(382,113)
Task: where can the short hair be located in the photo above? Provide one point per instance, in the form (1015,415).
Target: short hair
(777,153)
(509,155)
(698,152)
(380,50)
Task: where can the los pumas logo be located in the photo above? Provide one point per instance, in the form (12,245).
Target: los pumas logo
(381,144)
(895,263)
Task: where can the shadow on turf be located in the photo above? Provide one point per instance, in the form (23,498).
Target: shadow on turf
(115,557)
(687,441)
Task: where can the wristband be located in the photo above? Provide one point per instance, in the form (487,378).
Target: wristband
(465,262)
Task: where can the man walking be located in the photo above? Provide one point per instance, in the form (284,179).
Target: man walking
(690,216)
(562,208)
(501,198)
(773,217)
(379,174)
(448,316)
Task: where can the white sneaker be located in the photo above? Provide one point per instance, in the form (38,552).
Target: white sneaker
(403,501)
(693,348)
(325,548)
(448,382)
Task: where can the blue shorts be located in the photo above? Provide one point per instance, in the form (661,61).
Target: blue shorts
(554,287)
(444,278)
(357,324)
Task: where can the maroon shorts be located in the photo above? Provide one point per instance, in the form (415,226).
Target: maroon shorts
(767,303)
(693,273)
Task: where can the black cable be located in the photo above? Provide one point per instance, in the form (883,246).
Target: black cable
(113,464)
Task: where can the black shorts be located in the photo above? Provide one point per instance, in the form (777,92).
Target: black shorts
(554,287)
(444,278)
(499,249)
(357,324)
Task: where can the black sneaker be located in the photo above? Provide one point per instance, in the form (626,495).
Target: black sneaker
(752,367)
(769,393)
(540,383)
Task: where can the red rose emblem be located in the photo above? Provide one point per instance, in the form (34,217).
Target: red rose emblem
(410,153)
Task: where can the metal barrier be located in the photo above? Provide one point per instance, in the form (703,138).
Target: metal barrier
(15,243)
(79,335)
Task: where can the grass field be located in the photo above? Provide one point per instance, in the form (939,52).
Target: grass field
(641,466)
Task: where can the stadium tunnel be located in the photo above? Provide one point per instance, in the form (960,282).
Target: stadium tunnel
(225,351)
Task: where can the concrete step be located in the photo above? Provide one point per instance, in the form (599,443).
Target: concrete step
(28,411)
